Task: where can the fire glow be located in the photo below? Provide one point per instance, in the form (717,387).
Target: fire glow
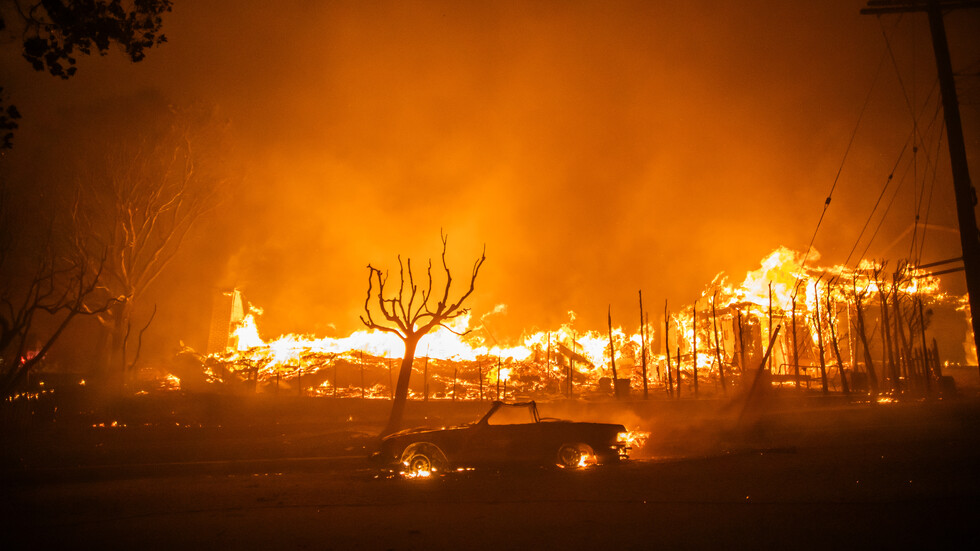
(710,343)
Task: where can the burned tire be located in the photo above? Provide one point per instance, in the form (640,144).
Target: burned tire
(423,459)
(575,456)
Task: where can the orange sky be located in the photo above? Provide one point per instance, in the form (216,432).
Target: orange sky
(595,148)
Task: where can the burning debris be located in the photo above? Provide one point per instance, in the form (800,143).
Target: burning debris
(835,329)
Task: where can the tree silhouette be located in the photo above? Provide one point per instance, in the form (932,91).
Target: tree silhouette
(408,313)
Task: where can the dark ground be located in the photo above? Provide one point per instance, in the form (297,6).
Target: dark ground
(264,473)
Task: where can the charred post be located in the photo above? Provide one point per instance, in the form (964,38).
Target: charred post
(694,345)
(721,363)
(612,355)
(670,377)
(643,347)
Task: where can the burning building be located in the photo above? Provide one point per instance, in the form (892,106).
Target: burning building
(872,329)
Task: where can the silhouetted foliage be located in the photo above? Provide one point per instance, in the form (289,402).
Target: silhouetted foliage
(55,32)
(8,123)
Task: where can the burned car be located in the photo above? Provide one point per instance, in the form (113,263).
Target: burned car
(507,434)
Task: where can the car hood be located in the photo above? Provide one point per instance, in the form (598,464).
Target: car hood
(421,430)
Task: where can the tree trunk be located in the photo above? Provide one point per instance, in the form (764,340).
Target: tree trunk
(886,335)
(401,390)
(114,356)
(836,347)
(820,349)
(869,364)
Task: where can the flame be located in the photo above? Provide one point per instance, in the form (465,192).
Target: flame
(461,361)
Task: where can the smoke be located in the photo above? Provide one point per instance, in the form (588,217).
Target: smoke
(593,148)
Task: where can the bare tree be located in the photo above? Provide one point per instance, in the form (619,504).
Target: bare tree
(138,205)
(409,314)
(50,290)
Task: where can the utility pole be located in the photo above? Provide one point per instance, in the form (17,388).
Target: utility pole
(966,197)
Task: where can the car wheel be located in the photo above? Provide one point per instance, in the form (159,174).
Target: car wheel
(575,456)
(423,459)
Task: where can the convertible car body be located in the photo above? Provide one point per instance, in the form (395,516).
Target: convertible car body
(508,433)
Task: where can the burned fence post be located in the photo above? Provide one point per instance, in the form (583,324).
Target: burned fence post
(836,347)
(425,377)
(678,371)
(741,343)
(796,344)
(643,347)
(497,392)
(547,367)
(391,385)
(694,344)
(769,315)
(612,355)
(670,376)
(721,363)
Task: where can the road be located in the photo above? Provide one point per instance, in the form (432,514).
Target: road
(852,494)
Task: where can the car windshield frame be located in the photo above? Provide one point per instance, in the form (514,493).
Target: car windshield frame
(498,406)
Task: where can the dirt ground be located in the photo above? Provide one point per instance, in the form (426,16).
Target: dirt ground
(811,473)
